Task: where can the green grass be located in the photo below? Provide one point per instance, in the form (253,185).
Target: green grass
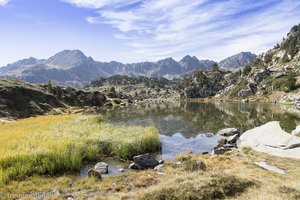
(51,145)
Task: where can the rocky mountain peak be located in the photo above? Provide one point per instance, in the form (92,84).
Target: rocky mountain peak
(189,62)
(27,61)
(237,61)
(167,60)
(67,59)
(189,58)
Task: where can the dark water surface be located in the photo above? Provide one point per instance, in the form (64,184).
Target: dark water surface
(186,127)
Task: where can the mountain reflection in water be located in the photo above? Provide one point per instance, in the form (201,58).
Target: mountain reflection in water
(183,126)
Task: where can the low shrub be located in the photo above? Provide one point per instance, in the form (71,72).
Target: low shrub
(194,165)
(220,187)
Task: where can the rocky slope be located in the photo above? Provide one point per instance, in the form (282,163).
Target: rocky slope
(273,75)
(73,68)
(136,88)
(203,84)
(19,99)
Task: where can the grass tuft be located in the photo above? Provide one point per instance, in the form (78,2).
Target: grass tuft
(194,165)
(220,187)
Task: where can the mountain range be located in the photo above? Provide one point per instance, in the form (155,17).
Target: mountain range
(73,68)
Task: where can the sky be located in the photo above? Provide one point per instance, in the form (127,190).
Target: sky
(143,30)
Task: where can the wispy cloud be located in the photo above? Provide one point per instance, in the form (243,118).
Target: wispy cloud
(4,2)
(100,3)
(206,28)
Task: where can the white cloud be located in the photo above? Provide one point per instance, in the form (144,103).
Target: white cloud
(213,29)
(99,3)
(4,2)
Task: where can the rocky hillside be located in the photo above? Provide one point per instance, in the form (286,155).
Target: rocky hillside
(273,76)
(207,83)
(19,99)
(137,88)
(73,68)
(198,84)
(237,61)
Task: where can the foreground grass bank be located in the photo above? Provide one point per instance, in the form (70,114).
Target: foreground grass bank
(50,145)
(230,176)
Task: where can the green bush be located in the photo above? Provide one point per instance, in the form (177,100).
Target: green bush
(246,70)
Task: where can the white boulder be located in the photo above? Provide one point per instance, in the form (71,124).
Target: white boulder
(271,139)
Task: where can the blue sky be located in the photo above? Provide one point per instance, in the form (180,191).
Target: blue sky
(135,30)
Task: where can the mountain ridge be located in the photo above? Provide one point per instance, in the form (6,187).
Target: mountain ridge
(74,68)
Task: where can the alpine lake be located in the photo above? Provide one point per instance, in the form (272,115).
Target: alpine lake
(186,127)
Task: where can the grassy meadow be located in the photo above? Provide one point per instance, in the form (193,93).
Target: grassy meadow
(229,176)
(51,145)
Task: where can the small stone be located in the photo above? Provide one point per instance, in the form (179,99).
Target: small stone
(209,135)
(134,166)
(220,150)
(70,197)
(94,173)
(101,167)
(56,192)
(159,167)
(121,170)
(205,153)
(228,132)
(161,161)
(232,139)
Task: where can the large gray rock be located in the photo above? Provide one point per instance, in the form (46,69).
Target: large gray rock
(101,167)
(245,93)
(145,161)
(271,139)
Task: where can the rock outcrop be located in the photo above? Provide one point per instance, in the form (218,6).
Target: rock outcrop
(271,139)
(269,167)
(144,161)
(227,141)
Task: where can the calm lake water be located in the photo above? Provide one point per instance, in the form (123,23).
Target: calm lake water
(187,127)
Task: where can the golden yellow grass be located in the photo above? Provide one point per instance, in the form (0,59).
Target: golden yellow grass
(48,133)
(58,144)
